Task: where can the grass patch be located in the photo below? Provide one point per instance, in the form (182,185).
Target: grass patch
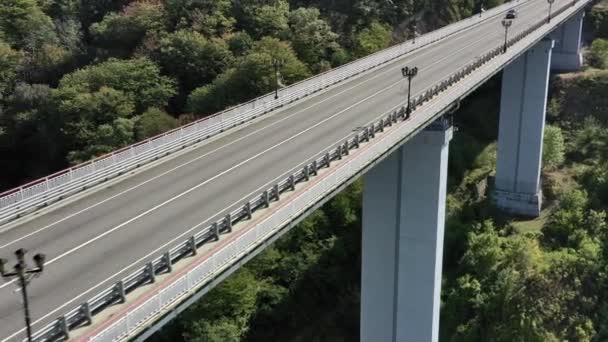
(533,225)
(554,183)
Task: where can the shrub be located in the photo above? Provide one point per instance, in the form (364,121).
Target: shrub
(598,56)
(553,147)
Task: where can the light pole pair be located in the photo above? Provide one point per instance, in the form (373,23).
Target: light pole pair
(409,73)
(24,275)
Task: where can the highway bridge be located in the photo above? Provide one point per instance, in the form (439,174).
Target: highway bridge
(135,237)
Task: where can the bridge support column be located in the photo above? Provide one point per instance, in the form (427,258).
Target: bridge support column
(520,135)
(402,245)
(567,54)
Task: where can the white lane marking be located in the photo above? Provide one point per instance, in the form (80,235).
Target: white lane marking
(422,54)
(181,235)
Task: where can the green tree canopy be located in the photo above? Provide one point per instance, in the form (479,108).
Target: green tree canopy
(599,18)
(97,104)
(253,74)
(589,142)
(92,11)
(104,139)
(25,25)
(312,37)
(32,128)
(95,122)
(554,147)
(192,58)
(263,18)
(599,53)
(153,122)
(138,79)
(124,30)
(240,43)
(9,64)
(236,299)
(371,39)
(209,17)
(61,9)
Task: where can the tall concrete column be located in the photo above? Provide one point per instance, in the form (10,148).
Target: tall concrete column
(567,54)
(520,135)
(402,246)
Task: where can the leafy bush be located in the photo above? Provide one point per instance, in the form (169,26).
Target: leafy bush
(599,18)
(153,122)
(371,39)
(126,29)
(192,58)
(252,75)
(553,147)
(9,62)
(598,56)
(139,79)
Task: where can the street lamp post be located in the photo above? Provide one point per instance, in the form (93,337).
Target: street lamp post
(277,64)
(409,73)
(550,6)
(506,23)
(24,275)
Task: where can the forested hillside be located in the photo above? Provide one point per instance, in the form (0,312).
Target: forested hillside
(79,78)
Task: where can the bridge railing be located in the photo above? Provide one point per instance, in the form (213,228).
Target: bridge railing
(44,191)
(319,185)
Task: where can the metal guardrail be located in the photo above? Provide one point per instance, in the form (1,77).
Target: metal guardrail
(192,278)
(42,192)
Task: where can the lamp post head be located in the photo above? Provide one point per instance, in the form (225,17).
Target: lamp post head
(39,260)
(409,72)
(550,1)
(506,22)
(20,253)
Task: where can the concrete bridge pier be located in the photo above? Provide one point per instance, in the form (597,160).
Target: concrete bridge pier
(402,245)
(567,54)
(520,135)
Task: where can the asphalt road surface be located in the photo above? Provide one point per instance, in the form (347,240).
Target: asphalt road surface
(107,234)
